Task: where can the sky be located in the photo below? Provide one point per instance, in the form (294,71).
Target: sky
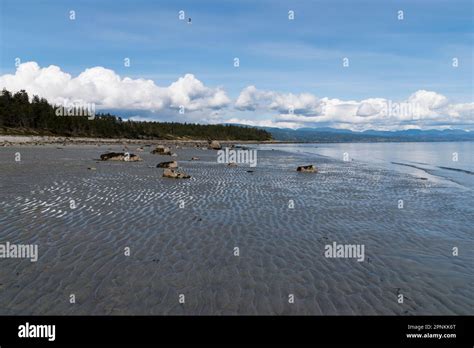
(344,64)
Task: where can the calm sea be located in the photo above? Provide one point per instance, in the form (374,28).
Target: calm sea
(453,161)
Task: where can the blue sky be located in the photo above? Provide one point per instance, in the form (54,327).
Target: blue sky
(388,58)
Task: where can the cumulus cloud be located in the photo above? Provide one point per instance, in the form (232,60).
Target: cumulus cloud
(422,109)
(108,90)
(251,99)
(370,107)
(429,100)
(142,99)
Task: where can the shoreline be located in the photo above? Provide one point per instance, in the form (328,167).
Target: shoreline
(10,140)
(6,140)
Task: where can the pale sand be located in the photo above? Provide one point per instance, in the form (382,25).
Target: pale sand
(190,251)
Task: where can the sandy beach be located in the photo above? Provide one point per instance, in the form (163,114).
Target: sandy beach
(182,236)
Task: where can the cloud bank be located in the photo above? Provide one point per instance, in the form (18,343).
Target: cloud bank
(108,90)
(146,100)
(422,109)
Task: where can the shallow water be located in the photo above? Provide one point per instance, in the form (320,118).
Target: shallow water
(190,250)
(446,160)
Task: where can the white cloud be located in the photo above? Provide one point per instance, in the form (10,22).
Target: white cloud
(422,109)
(252,99)
(370,107)
(429,100)
(142,99)
(109,91)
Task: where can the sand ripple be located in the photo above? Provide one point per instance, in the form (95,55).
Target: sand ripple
(190,250)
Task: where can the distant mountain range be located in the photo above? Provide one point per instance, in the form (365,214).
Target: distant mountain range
(327,134)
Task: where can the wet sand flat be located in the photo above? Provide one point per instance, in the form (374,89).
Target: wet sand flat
(182,236)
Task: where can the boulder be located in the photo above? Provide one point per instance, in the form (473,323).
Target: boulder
(169,164)
(215,145)
(307,169)
(162,150)
(171,173)
(120,156)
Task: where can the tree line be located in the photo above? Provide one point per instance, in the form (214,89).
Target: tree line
(19,115)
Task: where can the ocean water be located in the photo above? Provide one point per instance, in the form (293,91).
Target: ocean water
(437,161)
